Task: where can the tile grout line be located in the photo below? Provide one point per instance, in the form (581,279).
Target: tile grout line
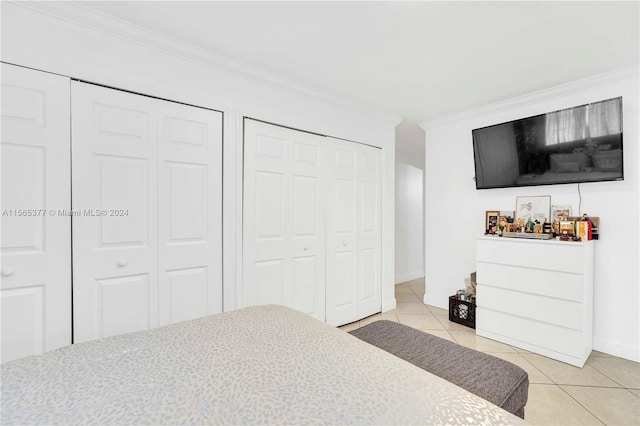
(607,376)
(448,331)
(580,404)
(589,386)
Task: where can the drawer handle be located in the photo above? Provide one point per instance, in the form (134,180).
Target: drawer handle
(305,248)
(122,263)
(7,272)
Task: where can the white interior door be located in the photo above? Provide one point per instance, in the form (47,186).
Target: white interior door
(342,234)
(369,235)
(115,247)
(149,172)
(283,218)
(353,233)
(36,233)
(190,212)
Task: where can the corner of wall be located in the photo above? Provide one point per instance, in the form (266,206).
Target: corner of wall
(388,304)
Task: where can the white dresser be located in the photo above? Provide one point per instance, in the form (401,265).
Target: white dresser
(537,295)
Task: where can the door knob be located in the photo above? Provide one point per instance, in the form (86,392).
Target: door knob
(122,263)
(7,272)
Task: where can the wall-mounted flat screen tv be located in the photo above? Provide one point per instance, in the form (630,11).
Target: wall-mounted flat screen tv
(573,145)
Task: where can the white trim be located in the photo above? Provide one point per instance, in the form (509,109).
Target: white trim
(616,349)
(239,213)
(388,223)
(119,81)
(84,16)
(534,98)
(230,210)
(409,276)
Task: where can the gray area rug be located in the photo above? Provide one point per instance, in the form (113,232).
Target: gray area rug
(496,380)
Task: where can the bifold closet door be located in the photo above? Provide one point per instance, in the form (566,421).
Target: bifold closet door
(36,232)
(190,212)
(353,233)
(147,193)
(369,230)
(283,218)
(115,239)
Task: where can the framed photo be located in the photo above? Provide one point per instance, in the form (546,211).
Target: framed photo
(507,215)
(534,208)
(560,212)
(491,220)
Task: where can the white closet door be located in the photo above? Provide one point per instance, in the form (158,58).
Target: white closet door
(353,233)
(283,223)
(36,234)
(115,248)
(342,234)
(369,235)
(190,212)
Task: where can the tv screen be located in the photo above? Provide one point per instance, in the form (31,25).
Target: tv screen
(573,145)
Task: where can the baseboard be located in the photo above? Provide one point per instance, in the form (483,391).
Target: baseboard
(616,349)
(388,304)
(436,302)
(408,277)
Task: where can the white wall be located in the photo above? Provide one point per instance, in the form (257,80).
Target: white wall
(455,216)
(409,247)
(67,39)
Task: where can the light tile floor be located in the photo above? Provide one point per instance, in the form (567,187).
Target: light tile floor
(605,391)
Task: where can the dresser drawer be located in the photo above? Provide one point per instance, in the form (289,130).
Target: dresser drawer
(549,255)
(561,285)
(544,309)
(559,339)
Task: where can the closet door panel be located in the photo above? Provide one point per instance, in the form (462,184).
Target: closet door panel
(36,230)
(267,199)
(306,190)
(186,294)
(121,184)
(128,294)
(305,288)
(115,197)
(342,258)
(272,288)
(344,280)
(307,245)
(189,211)
(25,166)
(283,248)
(369,236)
(23,322)
(270,200)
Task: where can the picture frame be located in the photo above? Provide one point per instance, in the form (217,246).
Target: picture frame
(560,212)
(534,208)
(491,218)
(508,215)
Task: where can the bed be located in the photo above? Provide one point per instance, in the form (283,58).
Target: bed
(258,365)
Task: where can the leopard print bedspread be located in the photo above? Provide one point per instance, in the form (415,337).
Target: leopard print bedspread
(259,365)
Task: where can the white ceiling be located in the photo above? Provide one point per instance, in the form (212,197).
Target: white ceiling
(413,60)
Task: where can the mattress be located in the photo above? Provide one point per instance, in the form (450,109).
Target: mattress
(258,365)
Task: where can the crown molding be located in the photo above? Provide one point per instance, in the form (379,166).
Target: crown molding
(80,15)
(556,92)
